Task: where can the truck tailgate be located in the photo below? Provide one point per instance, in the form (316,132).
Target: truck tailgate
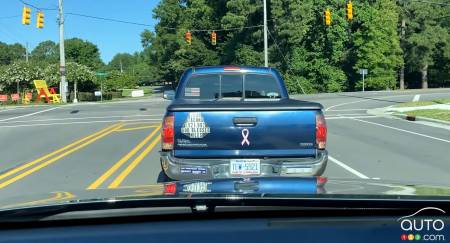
(244,131)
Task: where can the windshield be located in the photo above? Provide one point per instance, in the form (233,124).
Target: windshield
(106,99)
(215,86)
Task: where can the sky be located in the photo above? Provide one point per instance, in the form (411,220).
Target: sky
(110,37)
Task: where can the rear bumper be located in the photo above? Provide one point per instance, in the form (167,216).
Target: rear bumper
(188,169)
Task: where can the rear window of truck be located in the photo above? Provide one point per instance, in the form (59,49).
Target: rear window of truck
(216,86)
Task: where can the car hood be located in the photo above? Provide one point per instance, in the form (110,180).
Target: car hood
(292,188)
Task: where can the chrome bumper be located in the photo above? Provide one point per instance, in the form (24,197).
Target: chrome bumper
(188,169)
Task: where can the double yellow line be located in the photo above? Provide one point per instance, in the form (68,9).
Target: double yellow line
(35,165)
(118,180)
(59,196)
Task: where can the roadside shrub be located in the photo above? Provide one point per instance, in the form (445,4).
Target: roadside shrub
(115,94)
(148,91)
(83,96)
(107,96)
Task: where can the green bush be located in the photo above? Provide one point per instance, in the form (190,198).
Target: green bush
(83,96)
(148,91)
(115,94)
(88,96)
(107,96)
(126,92)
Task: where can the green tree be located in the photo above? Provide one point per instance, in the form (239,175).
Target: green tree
(143,73)
(377,44)
(122,61)
(11,53)
(312,55)
(117,80)
(426,33)
(83,52)
(46,51)
(81,74)
(19,75)
(168,50)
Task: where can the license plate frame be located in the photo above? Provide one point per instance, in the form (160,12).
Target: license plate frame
(245,167)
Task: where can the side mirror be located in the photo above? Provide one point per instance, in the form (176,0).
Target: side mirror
(169,94)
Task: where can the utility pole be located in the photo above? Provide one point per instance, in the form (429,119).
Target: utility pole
(266,57)
(402,69)
(62,58)
(121,68)
(26,52)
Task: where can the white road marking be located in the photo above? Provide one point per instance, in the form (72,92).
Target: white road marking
(403,130)
(363,99)
(30,114)
(348,168)
(81,122)
(416,98)
(376,178)
(84,118)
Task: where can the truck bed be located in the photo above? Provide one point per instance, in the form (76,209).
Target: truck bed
(237,105)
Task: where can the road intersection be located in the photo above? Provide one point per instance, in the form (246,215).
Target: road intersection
(112,145)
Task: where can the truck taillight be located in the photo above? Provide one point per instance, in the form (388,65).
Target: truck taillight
(167,133)
(170,188)
(321,131)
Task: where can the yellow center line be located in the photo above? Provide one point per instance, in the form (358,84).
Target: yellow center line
(24,166)
(135,128)
(58,196)
(42,165)
(124,159)
(133,164)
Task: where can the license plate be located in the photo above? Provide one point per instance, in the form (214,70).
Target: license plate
(245,167)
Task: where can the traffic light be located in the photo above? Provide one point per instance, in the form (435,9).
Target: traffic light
(349,10)
(213,38)
(40,20)
(26,15)
(188,38)
(327,17)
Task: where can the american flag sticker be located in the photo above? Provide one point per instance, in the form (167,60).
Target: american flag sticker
(192,92)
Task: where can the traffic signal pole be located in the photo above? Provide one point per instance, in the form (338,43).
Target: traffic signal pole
(62,57)
(266,57)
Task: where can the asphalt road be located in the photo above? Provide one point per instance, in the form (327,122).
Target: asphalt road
(115,145)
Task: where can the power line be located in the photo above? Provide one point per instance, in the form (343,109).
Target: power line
(108,19)
(10,17)
(35,7)
(226,29)
(284,57)
(148,25)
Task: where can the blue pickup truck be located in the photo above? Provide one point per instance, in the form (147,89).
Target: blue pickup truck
(231,121)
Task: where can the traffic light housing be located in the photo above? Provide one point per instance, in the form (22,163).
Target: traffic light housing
(26,15)
(213,38)
(188,38)
(349,10)
(40,20)
(327,17)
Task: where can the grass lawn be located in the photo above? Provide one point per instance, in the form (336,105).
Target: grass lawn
(434,113)
(441,191)
(424,103)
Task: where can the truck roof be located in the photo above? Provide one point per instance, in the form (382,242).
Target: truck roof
(230,68)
